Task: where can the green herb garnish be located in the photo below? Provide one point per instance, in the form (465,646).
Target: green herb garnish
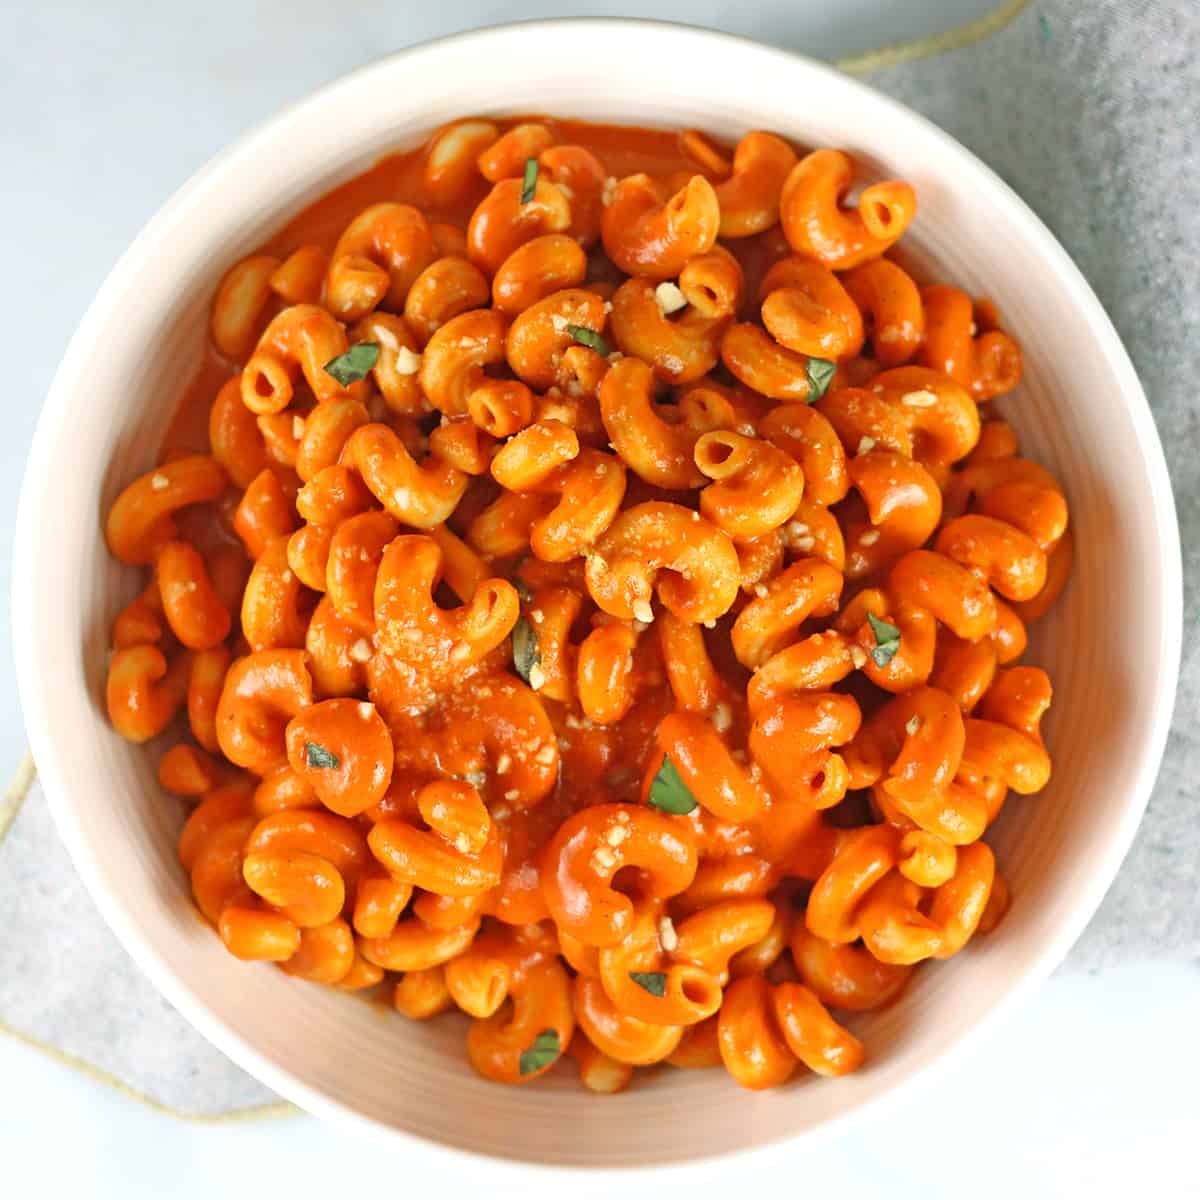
(542,1053)
(352,366)
(590,338)
(668,791)
(655,982)
(820,376)
(887,640)
(318,756)
(529,183)
(526,654)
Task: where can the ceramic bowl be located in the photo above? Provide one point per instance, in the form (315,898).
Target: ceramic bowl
(1111,645)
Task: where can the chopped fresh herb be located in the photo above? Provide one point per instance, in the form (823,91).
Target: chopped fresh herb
(529,183)
(589,337)
(542,1053)
(318,756)
(887,640)
(668,791)
(655,982)
(526,654)
(352,366)
(523,590)
(820,375)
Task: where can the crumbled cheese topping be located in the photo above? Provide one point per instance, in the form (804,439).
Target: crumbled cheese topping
(503,764)
(667,937)
(722,717)
(545,755)
(297,427)
(865,444)
(476,778)
(512,794)
(603,859)
(462,844)
(623,817)
(616,835)
(537,677)
(869,538)
(804,543)
(642,610)
(609,194)
(408,362)
(159,482)
(912,724)
(286,577)
(384,336)
(760,590)
(559,322)
(669,298)
(921,399)
(858,656)
(365,710)
(361,650)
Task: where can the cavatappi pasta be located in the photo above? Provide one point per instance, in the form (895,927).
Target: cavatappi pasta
(585,587)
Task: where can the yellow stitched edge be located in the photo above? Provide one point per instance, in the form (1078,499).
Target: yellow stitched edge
(15,793)
(257,1112)
(952,39)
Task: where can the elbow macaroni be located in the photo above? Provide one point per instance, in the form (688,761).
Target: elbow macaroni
(594,602)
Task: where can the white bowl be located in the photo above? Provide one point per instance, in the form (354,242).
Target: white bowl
(1111,645)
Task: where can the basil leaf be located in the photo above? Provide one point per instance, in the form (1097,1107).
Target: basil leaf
(352,366)
(887,640)
(529,183)
(542,1053)
(589,337)
(318,756)
(668,791)
(820,376)
(655,982)
(526,654)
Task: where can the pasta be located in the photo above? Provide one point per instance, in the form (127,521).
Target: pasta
(587,579)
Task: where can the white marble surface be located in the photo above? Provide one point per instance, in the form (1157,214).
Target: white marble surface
(106,108)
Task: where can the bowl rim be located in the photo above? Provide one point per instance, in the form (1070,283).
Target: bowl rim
(37,692)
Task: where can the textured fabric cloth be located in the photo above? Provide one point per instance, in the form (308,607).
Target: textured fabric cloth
(1090,112)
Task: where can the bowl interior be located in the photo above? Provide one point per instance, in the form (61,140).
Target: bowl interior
(1110,645)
